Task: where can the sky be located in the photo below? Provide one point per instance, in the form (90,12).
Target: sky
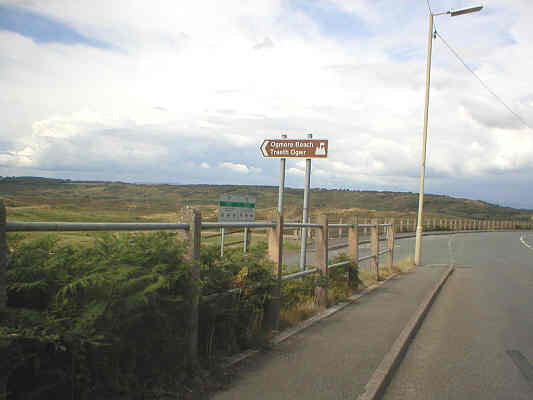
(186,91)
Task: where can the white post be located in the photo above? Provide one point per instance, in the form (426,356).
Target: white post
(303,247)
(281,181)
(245,248)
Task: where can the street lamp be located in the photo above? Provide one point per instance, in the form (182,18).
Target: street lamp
(419,224)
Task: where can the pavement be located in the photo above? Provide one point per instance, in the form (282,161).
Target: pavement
(335,358)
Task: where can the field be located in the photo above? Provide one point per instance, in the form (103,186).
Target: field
(32,199)
(110,315)
(43,199)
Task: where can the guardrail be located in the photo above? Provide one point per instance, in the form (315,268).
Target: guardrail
(275,232)
(192,232)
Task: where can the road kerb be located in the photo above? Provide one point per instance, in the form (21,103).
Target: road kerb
(381,377)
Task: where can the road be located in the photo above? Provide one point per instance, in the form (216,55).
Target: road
(477,340)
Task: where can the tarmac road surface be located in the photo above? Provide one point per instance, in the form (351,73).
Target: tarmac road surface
(477,340)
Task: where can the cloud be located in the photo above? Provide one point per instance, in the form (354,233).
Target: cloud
(240,168)
(200,84)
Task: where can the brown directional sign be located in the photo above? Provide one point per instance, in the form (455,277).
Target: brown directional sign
(295,148)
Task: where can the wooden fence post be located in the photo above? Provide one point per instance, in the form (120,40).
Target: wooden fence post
(3,281)
(353,249)
(340,229)
(3,260)
(275,254)
(390,242)
(321,292)
(374,247)
(247,236)
(194,234)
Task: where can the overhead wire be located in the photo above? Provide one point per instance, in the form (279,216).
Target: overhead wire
(456,54)
(429,6)
(487,88)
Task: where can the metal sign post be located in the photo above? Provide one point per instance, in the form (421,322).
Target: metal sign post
(234,207)
(281,182)
(305,220)
(296,148)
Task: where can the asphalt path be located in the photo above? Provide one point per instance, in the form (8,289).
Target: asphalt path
(477,340)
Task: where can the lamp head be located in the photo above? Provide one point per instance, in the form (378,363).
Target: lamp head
(462,11)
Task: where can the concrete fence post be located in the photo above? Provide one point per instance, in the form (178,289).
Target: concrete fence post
(353,249)
(340,229)
(390,243)
(275,254)
(374,247)
(321,292)
(401,224)
(194,234)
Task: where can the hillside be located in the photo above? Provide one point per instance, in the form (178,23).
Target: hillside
(34,198)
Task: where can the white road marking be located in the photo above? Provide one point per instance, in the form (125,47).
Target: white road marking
(522,240)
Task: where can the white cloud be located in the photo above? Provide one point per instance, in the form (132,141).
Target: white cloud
(201,80)
(296,171)
(240,168)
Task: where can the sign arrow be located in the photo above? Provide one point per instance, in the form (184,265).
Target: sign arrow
(263,148)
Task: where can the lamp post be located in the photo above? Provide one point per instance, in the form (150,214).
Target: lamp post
(420,220)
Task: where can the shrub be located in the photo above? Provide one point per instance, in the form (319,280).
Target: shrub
(112,317)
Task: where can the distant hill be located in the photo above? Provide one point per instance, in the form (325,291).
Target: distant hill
(123,201)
